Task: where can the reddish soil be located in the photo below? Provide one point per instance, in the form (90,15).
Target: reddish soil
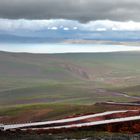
(26,116)
(123,127)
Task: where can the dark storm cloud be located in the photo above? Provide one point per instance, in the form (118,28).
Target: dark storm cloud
(82,10)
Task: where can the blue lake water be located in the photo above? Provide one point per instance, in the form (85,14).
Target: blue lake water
(65,48)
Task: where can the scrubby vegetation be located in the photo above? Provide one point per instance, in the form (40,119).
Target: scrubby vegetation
(88,135)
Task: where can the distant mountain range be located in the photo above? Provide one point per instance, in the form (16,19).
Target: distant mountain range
(61,35)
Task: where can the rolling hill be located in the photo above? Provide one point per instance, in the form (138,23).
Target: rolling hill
(83,78)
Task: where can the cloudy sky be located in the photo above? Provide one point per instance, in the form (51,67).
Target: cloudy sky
(54,21)
(19,17)
(81,10)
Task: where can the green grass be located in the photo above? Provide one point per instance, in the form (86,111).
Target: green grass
(55,93)
(66,78)
(55,110)
(130,90)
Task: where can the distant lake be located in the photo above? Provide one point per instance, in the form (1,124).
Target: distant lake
(65,48)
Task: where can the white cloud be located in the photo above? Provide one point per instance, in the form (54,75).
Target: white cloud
(66,28)
(75,28)
(112,25)
(101,29)
(55,24)
(54,28)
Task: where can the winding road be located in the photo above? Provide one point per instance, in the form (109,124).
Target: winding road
(34,126)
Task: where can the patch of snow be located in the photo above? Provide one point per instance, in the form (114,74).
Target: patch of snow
(66,28)
(54,28)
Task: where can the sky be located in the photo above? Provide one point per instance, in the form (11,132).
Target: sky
(66,24)
(82,14)
(81,10)
(53,20)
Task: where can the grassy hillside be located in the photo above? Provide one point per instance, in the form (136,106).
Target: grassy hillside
(43,112)
(66,78)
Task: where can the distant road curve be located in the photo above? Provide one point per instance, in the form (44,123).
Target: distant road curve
(128,104)
(118,93)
